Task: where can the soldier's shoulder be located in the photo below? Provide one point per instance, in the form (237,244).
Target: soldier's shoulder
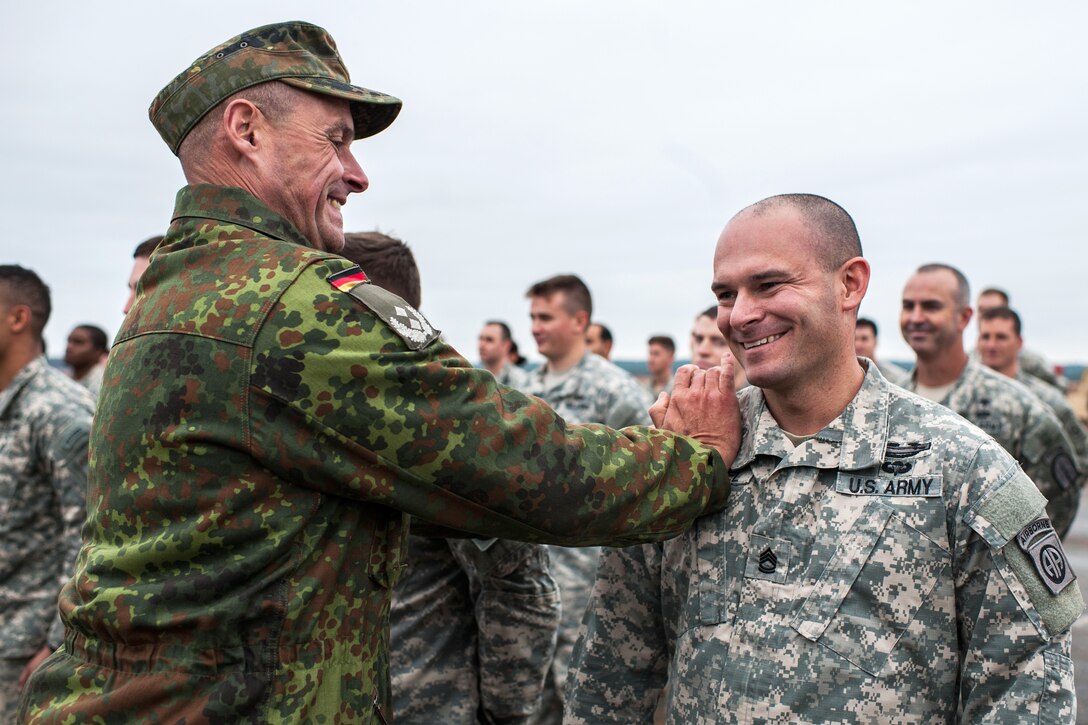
(50,394)
(956,439)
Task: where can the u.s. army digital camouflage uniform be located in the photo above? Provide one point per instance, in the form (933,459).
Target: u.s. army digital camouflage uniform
(1036,366)
(1074,429)
(263,430)
(1024,427)
(594,391)
(872,574)
(45,419)
(513,376)
(473,626)
(893,373)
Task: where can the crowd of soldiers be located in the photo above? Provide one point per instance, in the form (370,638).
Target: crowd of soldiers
(297,503)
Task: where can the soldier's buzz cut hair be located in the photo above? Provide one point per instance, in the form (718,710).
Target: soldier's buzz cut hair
(99,339)
(664,341)
(963,288)
(996,291)
(711,312)
(274,98)
(387,262)
(576,297)
(503,328)
(833,228)
(21,286)
(1003,313)
(866,322)
(146,247)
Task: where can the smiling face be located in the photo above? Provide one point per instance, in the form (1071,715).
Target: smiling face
(999,345)
(931,320)
(559,333)
(308,170)
(778,307)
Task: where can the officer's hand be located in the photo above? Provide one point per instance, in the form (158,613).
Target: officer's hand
(703,405)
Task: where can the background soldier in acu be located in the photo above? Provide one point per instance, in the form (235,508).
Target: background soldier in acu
(269,418)
(940,594)
(45,418)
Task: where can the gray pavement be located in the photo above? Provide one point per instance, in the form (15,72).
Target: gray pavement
(1076,548)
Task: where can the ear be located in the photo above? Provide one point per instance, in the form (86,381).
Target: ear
(965,317)
(581,317)
(19,317)
(244,126)
(854,280)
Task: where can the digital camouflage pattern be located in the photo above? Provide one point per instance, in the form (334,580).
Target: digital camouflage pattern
(473,631)
(1024,427)
(1074,429)
(260,439)
(871,574)
(299,54)
(45,419)
(593,391)
(473,626)
(893,373)
(513,376)
(1033,364)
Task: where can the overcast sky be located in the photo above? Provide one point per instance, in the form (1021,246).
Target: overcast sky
(612,139)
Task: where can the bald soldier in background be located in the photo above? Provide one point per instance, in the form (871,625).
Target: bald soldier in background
(935,312)
(999,345)
(879,559)
(269,418)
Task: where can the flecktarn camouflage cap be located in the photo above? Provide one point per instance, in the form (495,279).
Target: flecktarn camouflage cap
(297,53)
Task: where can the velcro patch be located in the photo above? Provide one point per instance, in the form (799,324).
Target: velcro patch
(403,319)
(1040,542)
(863,484)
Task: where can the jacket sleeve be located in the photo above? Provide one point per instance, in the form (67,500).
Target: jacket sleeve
(339,402)
(1016,664)
(1049,459)
(620,663)
(65,459)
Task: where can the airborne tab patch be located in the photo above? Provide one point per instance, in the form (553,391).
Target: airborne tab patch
(1040,542)
(403,319)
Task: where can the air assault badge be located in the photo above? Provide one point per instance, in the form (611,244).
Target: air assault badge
(403,319)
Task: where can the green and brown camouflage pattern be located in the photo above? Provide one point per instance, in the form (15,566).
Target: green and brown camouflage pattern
(260,439)
(817,597)
(297,53)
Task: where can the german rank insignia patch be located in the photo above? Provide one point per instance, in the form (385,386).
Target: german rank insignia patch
(403,319)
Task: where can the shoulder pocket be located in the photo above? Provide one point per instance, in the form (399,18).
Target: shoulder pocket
(879,578)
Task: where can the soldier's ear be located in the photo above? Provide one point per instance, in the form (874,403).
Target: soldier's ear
(244,126)
(854,280)
(18,318)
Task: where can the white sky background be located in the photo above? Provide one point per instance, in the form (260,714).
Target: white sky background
(611,139)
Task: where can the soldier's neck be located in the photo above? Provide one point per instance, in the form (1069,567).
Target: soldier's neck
(810,406)
(567,360)
(943,368)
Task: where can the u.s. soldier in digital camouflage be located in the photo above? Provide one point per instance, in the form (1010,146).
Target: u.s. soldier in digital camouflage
(936,310)
(999,345)
(268,419)
(45,418)
(879,559)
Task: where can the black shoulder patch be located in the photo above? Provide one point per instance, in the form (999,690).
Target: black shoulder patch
(1063,468)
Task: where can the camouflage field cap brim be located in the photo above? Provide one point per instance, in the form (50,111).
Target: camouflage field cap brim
(297,53)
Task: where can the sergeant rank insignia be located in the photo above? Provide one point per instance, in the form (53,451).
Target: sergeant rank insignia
(1040,542)
(401,317)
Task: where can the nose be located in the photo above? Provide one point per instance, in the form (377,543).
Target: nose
(354,176)
(744,312)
